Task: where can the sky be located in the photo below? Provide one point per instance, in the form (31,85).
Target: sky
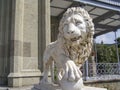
(107,38)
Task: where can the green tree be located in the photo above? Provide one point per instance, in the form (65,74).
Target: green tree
(118,41)
(106,53)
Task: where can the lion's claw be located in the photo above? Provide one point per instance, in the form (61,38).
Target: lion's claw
(72,73)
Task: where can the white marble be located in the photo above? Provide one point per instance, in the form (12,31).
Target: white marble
(67,85)
(52,87)
(70,50)
(92,88)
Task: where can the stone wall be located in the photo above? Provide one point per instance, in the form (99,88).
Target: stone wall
(109,84)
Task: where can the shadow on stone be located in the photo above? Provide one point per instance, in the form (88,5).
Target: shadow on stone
(46,87)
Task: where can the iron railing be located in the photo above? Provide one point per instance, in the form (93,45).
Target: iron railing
(101,69)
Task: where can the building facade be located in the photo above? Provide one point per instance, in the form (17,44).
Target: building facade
(24,34)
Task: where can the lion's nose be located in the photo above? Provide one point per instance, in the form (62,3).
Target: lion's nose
(70,32)
(71,28)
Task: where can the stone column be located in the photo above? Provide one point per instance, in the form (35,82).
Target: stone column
(2,70)
(4,39)
(24,44)
(44,28)
(93,65)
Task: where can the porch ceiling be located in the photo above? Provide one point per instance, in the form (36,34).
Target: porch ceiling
(105,19)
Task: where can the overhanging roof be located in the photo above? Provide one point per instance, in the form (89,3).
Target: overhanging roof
(104,18)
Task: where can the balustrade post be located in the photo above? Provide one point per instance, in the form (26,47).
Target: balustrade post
(117,52)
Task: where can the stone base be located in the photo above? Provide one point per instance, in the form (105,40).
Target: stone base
(23,79)
(3,80)
(46,87)
(92,88)
(55,87)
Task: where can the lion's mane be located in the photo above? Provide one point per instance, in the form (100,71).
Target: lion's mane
(83,51)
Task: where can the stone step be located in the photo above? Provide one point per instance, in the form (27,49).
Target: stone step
(53,87)
(92,88)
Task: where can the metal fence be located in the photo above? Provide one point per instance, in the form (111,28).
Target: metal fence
(100,69)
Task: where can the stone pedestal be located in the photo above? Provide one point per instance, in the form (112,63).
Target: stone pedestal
(55,87)
(69,85)
(45,87)
(92,88)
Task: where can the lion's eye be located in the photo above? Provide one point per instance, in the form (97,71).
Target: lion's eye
(65,24)
(78,23)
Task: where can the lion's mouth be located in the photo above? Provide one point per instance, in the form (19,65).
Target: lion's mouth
(75,38)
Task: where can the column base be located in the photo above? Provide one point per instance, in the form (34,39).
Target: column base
(3,80)
(23,79)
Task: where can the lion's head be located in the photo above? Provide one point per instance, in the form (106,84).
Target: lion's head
(76,32)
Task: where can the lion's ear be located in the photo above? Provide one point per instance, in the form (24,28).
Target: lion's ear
(60,36)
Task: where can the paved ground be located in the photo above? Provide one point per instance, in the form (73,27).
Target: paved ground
(30,88)
(17,88)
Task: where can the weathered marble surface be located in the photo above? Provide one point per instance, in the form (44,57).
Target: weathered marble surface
(52,87)
(92,88)
(70,50)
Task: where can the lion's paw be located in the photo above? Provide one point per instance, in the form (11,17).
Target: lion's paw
(72,72)
(44,80)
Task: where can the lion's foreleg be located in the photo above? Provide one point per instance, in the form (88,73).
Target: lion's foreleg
(59,75)
(46,71)
(45,74)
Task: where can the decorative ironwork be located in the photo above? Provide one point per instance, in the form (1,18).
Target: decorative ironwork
(104,69)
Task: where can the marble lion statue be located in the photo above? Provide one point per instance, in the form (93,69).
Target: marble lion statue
(72,47)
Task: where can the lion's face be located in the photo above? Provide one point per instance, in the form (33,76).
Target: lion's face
(76,31)
(74,28)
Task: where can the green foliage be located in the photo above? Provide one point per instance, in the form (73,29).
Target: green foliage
(118,41)
(106,53)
